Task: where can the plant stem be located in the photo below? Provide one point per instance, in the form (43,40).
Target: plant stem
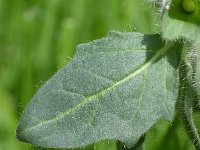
(187,95)
(138,145)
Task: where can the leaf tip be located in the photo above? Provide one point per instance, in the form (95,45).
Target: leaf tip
(19,136)
(19,133)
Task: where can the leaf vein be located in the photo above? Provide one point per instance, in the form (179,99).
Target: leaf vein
(141,97)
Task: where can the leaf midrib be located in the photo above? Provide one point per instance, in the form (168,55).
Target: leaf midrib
(89,99)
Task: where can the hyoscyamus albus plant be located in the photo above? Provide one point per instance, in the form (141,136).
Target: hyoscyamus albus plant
(118,87)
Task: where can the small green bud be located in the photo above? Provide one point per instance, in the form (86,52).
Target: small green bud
(189,5)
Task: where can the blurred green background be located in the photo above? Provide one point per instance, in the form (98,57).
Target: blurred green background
(37,37)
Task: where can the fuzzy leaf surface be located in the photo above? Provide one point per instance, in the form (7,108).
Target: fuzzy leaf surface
(114,88)
(177,23)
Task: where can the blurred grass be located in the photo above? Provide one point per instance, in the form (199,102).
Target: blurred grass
(37,37)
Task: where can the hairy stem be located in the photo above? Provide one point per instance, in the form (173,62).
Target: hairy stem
(187,95)
(138,145)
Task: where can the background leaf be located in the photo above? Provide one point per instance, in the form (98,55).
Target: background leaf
(115,88)
(178,23)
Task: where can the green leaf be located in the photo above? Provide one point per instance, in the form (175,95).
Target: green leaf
(178,22)
(114,88)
